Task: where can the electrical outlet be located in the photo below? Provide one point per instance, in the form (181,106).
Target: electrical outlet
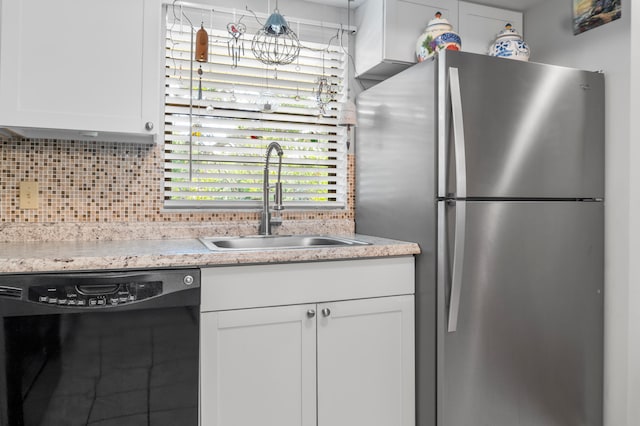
(29,195)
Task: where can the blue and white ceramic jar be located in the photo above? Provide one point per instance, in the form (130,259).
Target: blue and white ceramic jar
(509,44)
(438,35)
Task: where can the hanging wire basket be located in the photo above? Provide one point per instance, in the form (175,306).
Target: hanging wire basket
(275,43)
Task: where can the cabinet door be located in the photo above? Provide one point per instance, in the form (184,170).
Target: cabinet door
(258,367)
(366,362)
(86,65)
(388,31)
(480,24)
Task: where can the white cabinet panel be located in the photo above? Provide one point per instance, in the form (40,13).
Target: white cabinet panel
(480,24)
(338,361)
(80,65)
(366,362)
(388,31)
(252,286)
(258,367)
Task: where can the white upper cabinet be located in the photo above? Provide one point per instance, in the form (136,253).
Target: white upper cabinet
(388,30)
(480,24)
(81,69)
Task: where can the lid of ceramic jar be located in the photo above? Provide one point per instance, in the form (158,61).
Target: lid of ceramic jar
(508,31)
(438,21)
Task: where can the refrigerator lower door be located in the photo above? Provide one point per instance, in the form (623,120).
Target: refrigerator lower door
(527,349)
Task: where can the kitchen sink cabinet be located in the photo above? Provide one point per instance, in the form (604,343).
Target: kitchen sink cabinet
(340,355)
(81,69)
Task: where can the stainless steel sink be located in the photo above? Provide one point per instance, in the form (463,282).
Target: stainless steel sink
(277,242)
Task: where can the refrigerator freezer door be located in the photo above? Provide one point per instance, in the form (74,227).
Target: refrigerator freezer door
(528,348)
(530,130)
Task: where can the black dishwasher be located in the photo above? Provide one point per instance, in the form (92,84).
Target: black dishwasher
(103,348)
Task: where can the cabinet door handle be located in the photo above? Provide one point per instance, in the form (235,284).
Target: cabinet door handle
(311,313)
(326,312)
(148,125)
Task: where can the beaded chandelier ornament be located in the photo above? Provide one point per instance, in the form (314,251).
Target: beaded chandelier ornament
(325,91)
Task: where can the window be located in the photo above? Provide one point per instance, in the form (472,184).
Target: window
(221,115)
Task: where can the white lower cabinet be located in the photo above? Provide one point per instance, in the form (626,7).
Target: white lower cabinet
(366,362)
(330,363)
(258,367)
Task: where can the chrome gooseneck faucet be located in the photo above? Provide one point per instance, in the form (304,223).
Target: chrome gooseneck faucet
(265,218)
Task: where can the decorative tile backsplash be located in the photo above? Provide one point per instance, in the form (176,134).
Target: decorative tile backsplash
(90,183)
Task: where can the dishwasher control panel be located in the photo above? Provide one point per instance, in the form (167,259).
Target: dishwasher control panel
(94,295)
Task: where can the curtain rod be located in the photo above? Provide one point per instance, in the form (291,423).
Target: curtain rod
(244,12)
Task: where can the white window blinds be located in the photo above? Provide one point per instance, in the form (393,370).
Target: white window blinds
(221,115)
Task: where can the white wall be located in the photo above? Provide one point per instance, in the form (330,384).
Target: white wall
(633,369)
(548,30)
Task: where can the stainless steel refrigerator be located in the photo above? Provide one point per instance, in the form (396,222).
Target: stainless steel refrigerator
(496,168)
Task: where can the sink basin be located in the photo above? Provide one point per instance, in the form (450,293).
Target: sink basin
(277,242)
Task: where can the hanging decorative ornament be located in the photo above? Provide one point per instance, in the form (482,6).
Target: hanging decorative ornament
(235,45)
(200,72)
(347,114)
(202,45)
(325,91)
(233,94)
(267,102)
(438,35)
(509,44)
(275,43)
(298,57)
(347,117)
(324,94)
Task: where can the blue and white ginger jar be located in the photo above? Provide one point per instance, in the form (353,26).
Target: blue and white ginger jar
(509,44)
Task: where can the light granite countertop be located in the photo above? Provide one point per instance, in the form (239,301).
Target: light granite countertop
(50,256)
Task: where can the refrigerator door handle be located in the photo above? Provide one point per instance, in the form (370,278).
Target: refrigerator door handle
(458,133)
(458,263)
(461,193)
